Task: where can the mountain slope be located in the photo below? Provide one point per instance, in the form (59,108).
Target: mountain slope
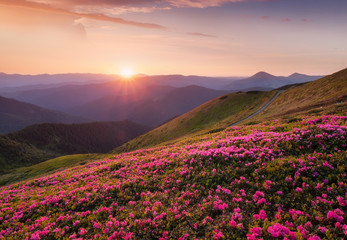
(211,116)
(150,106)
(275,180)
(325,91)
(14,154)
(15,115)
(40,142)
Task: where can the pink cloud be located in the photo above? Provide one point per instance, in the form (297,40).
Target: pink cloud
(139,3)
(200,3)
(201,34)
(286,20)
(95,16)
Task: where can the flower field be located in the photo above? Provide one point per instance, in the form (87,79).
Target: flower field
(276,180)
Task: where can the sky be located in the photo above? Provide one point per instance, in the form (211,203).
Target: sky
(190,37)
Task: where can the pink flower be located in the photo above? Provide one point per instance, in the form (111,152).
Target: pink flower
(257,231)
(261,215)
(83,231)
(315,237)
(232,223)
(278,230)
(96,225)
(218,235)
(322,229)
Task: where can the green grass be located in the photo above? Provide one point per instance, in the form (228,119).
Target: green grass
(210,117)
(49,166)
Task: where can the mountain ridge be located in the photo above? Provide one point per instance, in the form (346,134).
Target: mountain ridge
(263,80)
(15,115)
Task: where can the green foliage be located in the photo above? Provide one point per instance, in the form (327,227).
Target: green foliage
(41,142)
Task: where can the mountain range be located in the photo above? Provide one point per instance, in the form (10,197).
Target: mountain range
(149,100)
(15,115)
(222,112)
(266,81)
(40,142)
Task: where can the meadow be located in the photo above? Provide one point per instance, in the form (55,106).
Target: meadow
(280,179)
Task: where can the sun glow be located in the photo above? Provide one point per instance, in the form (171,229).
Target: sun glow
(127,73)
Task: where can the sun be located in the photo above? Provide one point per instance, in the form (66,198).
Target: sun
(127,73)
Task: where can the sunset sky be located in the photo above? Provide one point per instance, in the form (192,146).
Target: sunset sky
(213,38)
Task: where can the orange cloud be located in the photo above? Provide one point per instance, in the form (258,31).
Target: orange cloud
(94,16)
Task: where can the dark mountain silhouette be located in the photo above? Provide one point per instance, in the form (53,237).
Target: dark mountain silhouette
(151,110)
(217,83)
(15,115)
(262,80)
(41,142)
(95,137)
(115,105)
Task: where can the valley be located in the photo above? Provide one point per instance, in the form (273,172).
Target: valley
(241,165)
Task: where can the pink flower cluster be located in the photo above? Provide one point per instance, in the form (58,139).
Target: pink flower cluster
(276,180)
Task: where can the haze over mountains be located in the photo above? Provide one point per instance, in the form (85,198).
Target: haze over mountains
(18,80)
(40,142)
(148,100)
(15,115)
(266,81)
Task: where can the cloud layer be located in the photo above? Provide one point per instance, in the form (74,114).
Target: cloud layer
(45,6)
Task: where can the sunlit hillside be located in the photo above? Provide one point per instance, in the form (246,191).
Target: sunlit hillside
(276,179)
(216,114)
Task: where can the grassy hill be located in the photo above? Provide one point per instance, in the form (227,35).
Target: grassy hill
(326,91)
(274,180)
(223,111)
(281,178)
(214,115)
(14,154)
(41,142)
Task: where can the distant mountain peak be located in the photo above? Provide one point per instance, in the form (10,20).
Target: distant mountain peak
(262,74)
(297,75)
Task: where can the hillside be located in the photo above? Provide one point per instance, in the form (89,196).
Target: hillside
(275,180)
(328,90)
(221,112)
(215,114)
(41,142)
(14,154)
(15,115)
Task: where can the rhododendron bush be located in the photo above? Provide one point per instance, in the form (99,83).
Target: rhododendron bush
(276,180)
